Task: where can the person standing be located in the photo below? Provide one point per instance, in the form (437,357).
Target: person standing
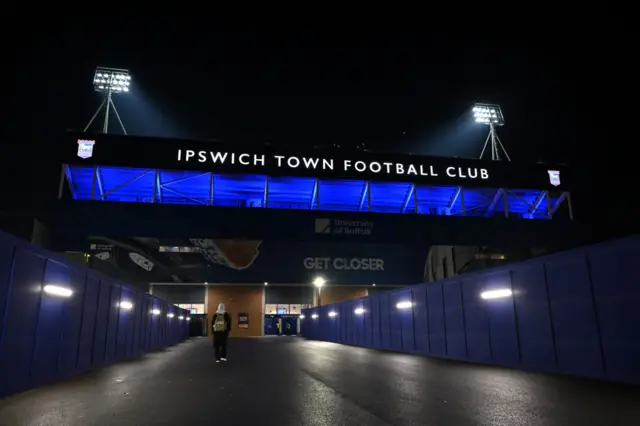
(221,328)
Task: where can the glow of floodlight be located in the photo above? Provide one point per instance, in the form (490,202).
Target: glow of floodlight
(488,114)
(319,282)
(496,294)
(111,80)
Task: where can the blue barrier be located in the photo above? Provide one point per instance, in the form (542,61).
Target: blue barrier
(575,312)
(58,318)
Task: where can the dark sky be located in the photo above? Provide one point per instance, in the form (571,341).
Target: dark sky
(405,92)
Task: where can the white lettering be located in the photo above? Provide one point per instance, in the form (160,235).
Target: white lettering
(484,174)
(451,172)
(399,169)
(473,172)
(293,162)
(344,264)
(190,154)
(179,154)
(241,159)
(360,166)
(327,164)
(460,173)
(218,157)
(347,164)
(310,163)
(279,159)
(388,167)
(202,156)
(432,172)
(258,159)
(411,170)
(375,167)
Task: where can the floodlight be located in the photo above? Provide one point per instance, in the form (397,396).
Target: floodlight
(333,314)
(301,316)
(188,318)
(181,318)
(359,311)
(170,315)
(155,311)
(488,114)
(491,115)
(109,81)
(314,316)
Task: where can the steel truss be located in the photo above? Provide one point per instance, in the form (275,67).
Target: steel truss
(491,203)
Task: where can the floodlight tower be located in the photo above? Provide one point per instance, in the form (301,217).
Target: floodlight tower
(491,115)
(109,81)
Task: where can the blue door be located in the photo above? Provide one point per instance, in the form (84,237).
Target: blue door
(270,325)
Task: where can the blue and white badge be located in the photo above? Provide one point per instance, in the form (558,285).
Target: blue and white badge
(85,148)
(554,177)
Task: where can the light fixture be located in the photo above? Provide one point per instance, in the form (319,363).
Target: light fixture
(170,315)
(314,316)
(374,284)
(488,114)
(359,311)
(188,318)
(126,305)
(496,294)
(112,80)
(180,318)
(333,314)
(266,283)
(404,305)
(319,282)
(155,311)
(301,316)
(206,283)
(56,290)
(109,81)
(491,115)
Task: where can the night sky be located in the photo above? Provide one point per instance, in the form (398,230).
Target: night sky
(399,92)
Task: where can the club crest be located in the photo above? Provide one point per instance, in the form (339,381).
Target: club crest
(554,177)
(85,148)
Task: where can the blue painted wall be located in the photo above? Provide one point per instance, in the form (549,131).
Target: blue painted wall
(575,312)
(45,338)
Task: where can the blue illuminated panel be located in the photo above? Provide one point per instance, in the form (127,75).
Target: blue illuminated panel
(118,184)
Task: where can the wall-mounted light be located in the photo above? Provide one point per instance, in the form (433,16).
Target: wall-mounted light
(266,283)
(170,315)
(374,284)
(155,311)
(314,316)
(319,282)
(496,294)
(359,311)
(126,305)
(333,314)
(301,316)
(404,305)
(180,318)
(56,290)
(188,318)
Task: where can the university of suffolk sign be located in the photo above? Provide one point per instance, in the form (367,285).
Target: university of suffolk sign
(329,165)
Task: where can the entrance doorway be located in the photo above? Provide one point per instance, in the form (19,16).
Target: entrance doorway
(281,325)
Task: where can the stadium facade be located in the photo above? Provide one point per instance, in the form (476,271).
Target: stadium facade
(200,223)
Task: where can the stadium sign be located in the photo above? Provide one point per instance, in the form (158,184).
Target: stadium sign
(329,165)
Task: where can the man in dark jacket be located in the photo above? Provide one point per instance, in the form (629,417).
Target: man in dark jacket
(221,325)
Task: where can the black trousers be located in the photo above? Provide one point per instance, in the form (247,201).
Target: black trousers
(220,344)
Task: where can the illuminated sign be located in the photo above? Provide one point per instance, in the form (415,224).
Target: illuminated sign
(344,264)
(554,177)
(290,162)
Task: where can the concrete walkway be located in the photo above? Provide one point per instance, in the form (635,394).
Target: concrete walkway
(289,381)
